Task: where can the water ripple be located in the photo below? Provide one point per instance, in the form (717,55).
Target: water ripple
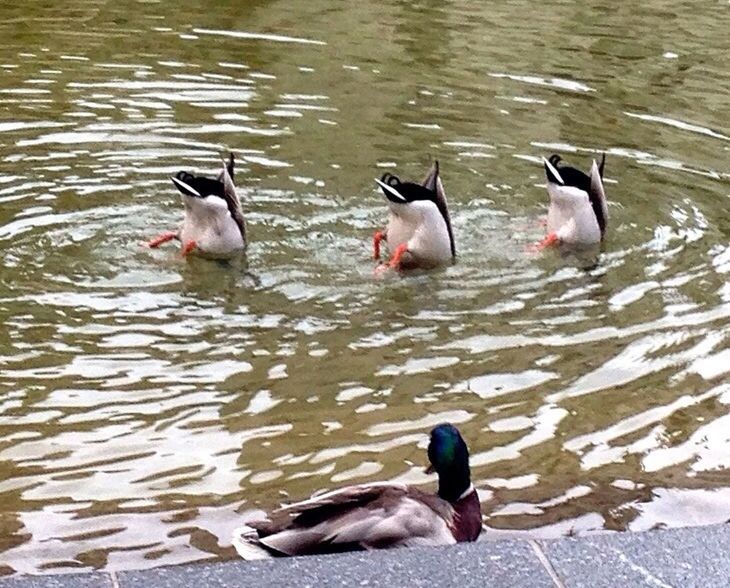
(150,403)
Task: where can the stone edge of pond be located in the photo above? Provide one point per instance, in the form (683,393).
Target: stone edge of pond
(686,557)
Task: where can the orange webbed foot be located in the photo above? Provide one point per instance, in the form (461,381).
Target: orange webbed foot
(395,261)
(188,247)
(393,264)
(377,238)
(160,239)
(550,240)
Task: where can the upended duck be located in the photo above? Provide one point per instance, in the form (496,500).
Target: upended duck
(419,231)
(376,516)
(213,224)
(578,212)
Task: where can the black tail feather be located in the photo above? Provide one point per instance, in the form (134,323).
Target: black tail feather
(202,186)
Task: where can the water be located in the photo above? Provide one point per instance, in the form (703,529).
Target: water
(148,404)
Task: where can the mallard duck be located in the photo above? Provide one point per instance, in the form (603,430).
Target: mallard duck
(376,516)
(213,224)
(419,228)
(578,212)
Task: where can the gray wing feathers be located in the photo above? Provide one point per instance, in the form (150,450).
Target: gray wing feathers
(597,187)
(341,496)
(294,542)
(433,183)
(410,522)
(365,517)
(232,200)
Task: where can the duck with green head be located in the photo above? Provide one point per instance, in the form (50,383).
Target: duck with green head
(376,515)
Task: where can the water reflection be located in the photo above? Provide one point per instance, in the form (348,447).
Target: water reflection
(150,403)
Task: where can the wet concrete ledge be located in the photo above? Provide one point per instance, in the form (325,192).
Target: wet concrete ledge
(696,556)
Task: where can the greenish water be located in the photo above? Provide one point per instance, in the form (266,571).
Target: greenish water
(149,403)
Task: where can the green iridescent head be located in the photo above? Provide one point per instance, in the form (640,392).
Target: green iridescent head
(449,457)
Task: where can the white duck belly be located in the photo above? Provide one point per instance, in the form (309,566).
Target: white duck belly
(215,239)
(398,231)
(211,227)
(571,216)
(430,245)
(421,227)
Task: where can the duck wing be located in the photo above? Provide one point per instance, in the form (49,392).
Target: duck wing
(433,183)
(230,165)
(597,195)
(362,517)
(230,195)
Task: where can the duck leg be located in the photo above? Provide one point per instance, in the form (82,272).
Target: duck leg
(160,239)
(188,247)
(399,252)
(551,239)
(377,238)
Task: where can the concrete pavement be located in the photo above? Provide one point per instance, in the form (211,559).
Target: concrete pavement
(689,557)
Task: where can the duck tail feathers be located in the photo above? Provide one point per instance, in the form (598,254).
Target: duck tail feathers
(390,191)
(432,179)
(551,172)
(183,183)
(246,543)
(229,166)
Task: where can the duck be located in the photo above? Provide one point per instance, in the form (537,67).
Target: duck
(213,225)
(419,233)
(378,515)
(578,211)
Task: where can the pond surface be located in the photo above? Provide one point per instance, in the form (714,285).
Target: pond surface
(149,403)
